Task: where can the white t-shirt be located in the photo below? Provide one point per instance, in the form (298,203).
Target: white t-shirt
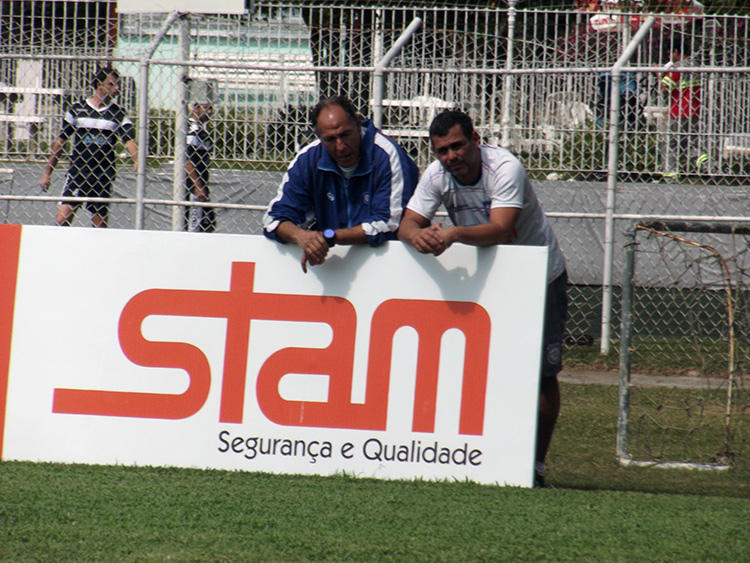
(503,183)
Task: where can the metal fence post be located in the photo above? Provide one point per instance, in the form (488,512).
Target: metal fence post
(614,155)
(382,64)
(143,118)
(507,95)
(181,117)
(626,329)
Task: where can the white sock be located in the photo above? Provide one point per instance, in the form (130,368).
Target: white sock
(196,220)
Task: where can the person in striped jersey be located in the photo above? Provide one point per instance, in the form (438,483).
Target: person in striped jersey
(197,173)
(95,125)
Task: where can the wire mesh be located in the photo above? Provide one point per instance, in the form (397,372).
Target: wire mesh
(690,319)
(546,95)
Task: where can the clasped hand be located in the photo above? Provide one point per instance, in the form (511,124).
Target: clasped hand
(432,240)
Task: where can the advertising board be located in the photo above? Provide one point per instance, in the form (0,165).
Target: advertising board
(193,6)
(217,351)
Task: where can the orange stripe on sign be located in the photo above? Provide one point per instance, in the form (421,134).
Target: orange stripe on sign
(10,244)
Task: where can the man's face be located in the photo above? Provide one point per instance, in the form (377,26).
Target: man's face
(341,136)
(202,112)
(458,155)
(109,88)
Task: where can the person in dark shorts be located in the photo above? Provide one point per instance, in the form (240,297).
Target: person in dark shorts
(490,200)
(95,124)
(199,219)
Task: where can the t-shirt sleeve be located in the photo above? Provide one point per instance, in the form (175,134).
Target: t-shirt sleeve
(507,185)
(427,197)
(127,131)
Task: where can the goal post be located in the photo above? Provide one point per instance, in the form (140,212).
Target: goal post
(684,311)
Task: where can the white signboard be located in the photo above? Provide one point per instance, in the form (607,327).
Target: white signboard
(194,6)
(182,349)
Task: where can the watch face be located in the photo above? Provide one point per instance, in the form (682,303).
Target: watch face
(329,233)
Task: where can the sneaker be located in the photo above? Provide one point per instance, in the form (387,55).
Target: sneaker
(539,471)
(577,339)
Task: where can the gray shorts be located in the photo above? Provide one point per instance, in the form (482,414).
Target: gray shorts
(555,315)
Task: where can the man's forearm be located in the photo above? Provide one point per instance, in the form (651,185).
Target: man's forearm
(411,225)
(351,235)
(407,231)
(501,229)
(288,232)
(54,156)
(132,148)
(478,235)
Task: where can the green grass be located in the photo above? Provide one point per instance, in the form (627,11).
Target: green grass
(594,510)
(583,450)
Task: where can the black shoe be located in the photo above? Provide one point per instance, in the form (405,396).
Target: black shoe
(539,482)
(577,339)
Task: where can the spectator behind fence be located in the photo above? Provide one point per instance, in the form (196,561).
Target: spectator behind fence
(95,124)
(349,186)
(199,219)
(490,201)
(631,109)
(683,150)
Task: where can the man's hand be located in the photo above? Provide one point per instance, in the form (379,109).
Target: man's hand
(45,182)
(417,231)
(314,248)
(431,240)
(434,239)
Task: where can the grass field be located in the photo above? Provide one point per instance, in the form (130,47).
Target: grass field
(593,510)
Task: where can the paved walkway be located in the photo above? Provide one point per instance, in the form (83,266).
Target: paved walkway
(640,380)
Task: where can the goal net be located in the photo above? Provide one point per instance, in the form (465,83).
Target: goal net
(685,345)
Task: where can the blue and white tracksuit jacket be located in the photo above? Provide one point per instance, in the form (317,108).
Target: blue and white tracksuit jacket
(314,188)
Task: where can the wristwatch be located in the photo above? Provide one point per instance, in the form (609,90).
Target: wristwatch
(330,236)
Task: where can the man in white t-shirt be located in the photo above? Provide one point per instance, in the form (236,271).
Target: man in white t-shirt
(489,199)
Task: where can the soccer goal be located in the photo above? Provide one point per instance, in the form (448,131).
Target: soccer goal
(686,324)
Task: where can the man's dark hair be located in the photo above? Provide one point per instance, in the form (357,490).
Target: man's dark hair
(678,44)
(342,101)
(101,75)
(445,121)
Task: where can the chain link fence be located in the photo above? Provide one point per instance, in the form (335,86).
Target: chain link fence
(685,312)
(540,82)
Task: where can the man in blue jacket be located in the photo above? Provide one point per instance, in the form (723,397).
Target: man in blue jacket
(348,187)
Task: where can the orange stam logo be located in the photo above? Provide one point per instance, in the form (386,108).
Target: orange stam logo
(241,305)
